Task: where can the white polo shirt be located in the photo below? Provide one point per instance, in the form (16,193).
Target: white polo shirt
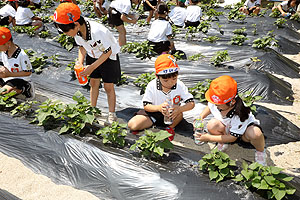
(194,13)
(99,40)
(285,8)
(7,10)
(155,96)
(159,30)
(17,63)
(250,4)
(23,16)
(122,6)
(233,124)
(178,15)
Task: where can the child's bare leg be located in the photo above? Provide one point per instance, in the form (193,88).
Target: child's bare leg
(177,120)
(9,89)
(139,122)
(215,127)
(111,96)
(256,10)
(254,135)
(94,91)
(122,35)
(150,16)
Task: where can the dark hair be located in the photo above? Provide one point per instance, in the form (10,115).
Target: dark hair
(195,1)
(171,75)
(13,4)
(23,3)
(181,4)
(67,27)
(240,109)
(162,8)
(290,1)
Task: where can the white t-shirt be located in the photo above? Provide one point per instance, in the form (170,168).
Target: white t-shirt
(194,13)
(159,30)
(285,8)
(23,16)
(99,40)
(17,63)
(178,15)
(7,10)
(250,4)
(155,96)
(123,6)
(233,124)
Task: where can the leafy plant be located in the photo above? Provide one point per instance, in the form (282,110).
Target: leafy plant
(114,134)
(254,30)
(220,57)
(218,165)
(123,80)
(248,99)
(295,17)
(54,60)
(46,19)
(38,61)
(204,26)
(198,91)
(153,144)
(143,80)
(65,41)
(238,40)
(240,31)
(280,22)
(211,13)
(269,40)
(6,100)
(70,66)
(212,39)
(196,57)
(141,50)
(175,30)
(142,22)
(44,34)
(191,31)
(275,13)
(220,28)
(179,55)
(25,29)
(25,108)
(235,14)
(265,179)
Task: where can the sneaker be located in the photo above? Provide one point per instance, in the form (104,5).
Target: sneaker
(28,91)
(135,132)
(222,147)
(171,131)
(112,117)
(260,157)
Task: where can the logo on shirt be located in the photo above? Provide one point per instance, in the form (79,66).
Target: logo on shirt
(176,99)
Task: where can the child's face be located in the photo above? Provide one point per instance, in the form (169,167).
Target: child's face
(293,3)
(4,47)
(72,32)
(168,83)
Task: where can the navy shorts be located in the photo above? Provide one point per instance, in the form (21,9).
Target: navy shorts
(157,118)
(159,47)
(147,7)
(114,17)
(109,71)
(15,83)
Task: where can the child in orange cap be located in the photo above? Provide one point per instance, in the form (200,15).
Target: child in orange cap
(8,13)
(232,119)
(15,75)
(155,95)
(99,47)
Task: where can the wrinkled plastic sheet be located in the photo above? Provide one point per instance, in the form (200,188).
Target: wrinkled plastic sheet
(4,195)
(111,173)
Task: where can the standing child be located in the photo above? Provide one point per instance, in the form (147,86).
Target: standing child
(166,83)
(101,7)
(118,14)
(25,17)
(194,13)
(251,6)
(98,46)
(150,5)
(287,8)
(178,14)
(15,75)
(232,119)
(8,13)
(161,31)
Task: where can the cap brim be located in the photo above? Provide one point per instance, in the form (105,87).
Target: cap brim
(208,95)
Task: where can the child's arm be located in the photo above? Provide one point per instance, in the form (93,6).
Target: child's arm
(281,10)
(128,18)
(36,18)
(180,109)
(172,46)
(217,138)
(4,73)
(205,113)
(149,4)
(155,108)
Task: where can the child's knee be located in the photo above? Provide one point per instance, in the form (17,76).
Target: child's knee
(132,125)
(254,133)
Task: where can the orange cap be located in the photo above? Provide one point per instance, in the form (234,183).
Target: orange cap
(66,1)
(66,13)
(221,90)
(5,35)
(165,64)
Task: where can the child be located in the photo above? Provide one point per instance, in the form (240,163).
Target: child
(100,48)
(251,6)
(194,14)
(25,17)
(101,7)
(8,13)
(232,119)
(16,72)
(118,13)
(36,3)
(150,5)
(155,95)
(178,14)
(161,31)
(287,8)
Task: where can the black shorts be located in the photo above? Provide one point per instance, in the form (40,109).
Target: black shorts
(4,20)
(242,142)
(250,11)
(15,83)
(194,24)
(147,7)
(109,71)
(157,118)
(159,47)
(114,17)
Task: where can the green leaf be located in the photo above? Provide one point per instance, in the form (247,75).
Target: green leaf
(159,151)
(238,178)
(133,147)
(64,129)
(247,174)
(270,180)
(256,183)
(275,170)
(213,175)
(224,165)
(263,185)
(290,191)
(105,140)
(280,194)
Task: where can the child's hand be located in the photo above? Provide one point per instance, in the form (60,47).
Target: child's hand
(201,136)
(4,73)
(163,108)
(87,71)
(175,111)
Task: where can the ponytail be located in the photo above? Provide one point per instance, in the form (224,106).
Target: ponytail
(240,109)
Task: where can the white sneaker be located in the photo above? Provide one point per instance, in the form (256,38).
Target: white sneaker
(29,91)
(260,157)
(112,117)
(222,146)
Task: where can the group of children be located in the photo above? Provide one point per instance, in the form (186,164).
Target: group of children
(97,46)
